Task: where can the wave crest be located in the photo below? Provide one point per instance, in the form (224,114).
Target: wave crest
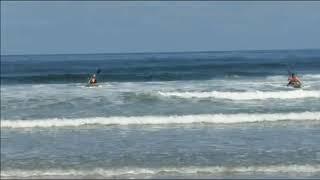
(167,170)
(183,119)
(303,76)
(256,95)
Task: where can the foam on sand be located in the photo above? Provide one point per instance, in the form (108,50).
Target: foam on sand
(174,119)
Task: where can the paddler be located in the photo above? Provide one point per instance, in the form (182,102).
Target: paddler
(294,80)
(93,80)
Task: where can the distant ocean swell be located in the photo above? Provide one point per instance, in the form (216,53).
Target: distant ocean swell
(133,171)
(146,70)
(125,77)
(175,119)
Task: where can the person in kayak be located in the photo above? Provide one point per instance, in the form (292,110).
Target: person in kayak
(294,80)
(93,80)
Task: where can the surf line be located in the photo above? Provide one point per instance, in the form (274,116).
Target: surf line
(306,168)
(171,119)
(254,95)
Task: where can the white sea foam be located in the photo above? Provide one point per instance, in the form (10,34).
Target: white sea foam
(303,76)
(175,119)
(315,76)
(163,170)
(277,78)
(259,95)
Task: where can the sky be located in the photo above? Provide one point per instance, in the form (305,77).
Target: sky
(63,27)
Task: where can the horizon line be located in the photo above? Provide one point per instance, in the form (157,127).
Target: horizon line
(158,52)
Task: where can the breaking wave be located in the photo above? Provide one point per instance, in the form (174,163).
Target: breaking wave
(165,170)
(175,119)
(303,76)
(258,95)
(315,76)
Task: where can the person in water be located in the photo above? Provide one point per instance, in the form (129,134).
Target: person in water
(294,80)
(93,79)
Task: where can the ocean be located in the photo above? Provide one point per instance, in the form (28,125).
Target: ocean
(226,114)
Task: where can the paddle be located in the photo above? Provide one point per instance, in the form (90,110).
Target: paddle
(98,71)
(289,69)
(289,72)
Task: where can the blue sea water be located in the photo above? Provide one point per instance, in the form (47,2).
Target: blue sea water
(161,115)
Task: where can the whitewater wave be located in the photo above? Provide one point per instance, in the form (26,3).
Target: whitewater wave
(175,119)
(255,95)
(165,170)
(303,76)
(316,76)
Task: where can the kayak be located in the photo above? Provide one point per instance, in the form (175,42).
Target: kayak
(295,85)
(92,85)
